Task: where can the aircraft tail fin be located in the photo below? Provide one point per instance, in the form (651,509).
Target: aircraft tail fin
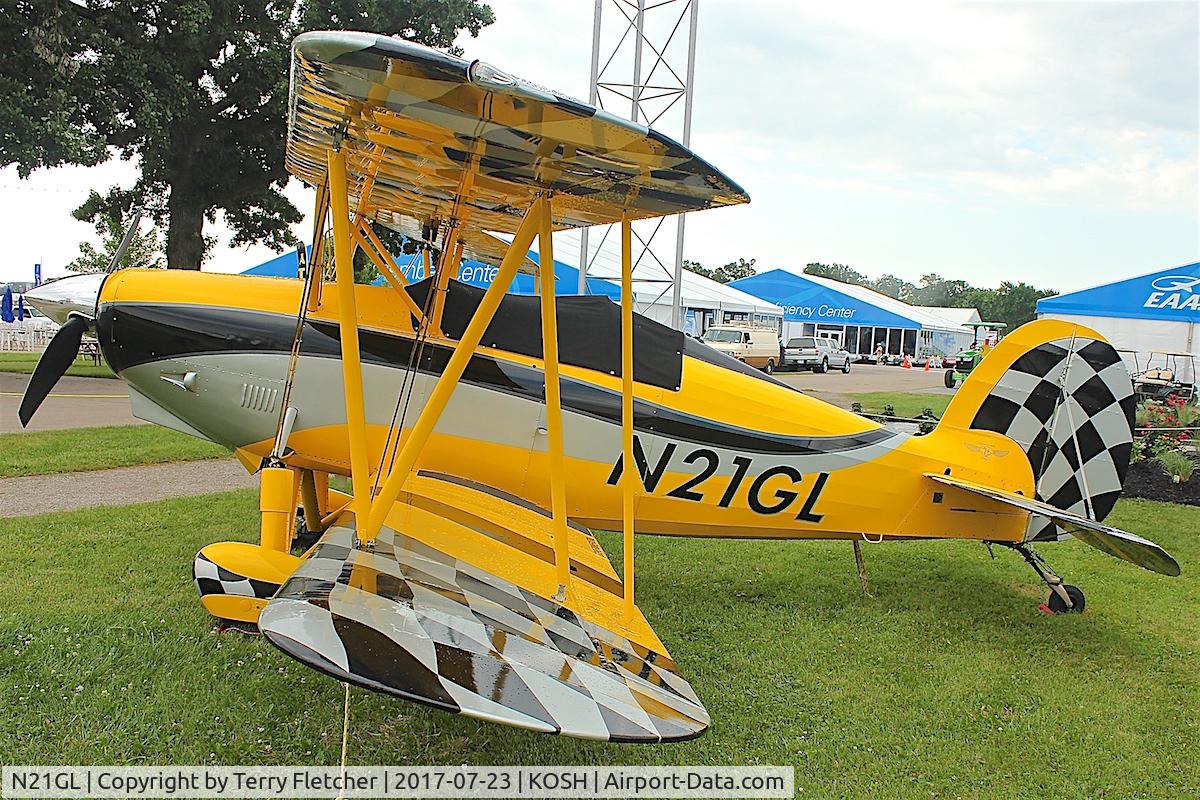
(1063,394)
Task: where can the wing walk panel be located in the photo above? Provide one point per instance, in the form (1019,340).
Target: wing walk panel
(516,523)
(410,620)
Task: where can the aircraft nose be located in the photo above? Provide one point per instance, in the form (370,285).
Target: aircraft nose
(58,299)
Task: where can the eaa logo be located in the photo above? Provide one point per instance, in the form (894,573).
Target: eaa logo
(1175,291)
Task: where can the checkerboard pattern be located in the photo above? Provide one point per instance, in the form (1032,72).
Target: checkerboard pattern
(1070,405)
(212,578)
(408,620)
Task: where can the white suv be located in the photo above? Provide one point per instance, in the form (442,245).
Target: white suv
(809,352)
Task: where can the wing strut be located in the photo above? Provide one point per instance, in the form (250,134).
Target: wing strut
(628,474)
(538,221)
(343,258)
(440,396)
(554,424)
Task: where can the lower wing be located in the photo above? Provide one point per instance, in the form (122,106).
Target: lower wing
(1105,538)
(450,607)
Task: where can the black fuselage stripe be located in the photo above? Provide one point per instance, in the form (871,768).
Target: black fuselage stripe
(133,334)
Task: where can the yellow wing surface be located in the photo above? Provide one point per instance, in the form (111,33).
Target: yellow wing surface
(451,606)
(435,137)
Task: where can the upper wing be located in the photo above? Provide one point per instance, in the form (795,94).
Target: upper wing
(1107,539)
(450,607)
(437,137)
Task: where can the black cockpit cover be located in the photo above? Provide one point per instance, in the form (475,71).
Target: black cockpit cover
(589,332)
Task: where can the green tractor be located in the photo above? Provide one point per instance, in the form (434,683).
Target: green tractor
(969,359)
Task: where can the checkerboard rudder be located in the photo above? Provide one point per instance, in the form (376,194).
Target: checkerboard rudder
(1062,393)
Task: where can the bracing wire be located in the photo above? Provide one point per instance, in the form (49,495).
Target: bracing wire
(297,336)
(404,396)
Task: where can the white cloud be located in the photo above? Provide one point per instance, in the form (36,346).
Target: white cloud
(979,140)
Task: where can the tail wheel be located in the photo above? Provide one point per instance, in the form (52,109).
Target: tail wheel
(846,367)
(949,379)
(1057,605)
(824,367)
(770,366)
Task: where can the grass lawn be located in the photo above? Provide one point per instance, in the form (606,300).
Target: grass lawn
(79,449)
(946,683)
(25,362)
(908,404)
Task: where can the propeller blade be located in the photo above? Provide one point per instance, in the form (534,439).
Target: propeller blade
(125,240)
(54,363)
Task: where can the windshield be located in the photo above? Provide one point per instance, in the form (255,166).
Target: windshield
(803,341)
(722,335)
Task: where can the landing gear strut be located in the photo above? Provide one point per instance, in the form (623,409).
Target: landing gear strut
(1064,598)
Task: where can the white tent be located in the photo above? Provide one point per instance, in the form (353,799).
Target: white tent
(704,301)
(958,316)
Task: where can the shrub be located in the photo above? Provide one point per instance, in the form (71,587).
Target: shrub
(1172,414)
(1178,465)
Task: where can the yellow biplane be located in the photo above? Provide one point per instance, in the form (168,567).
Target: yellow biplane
(487,434)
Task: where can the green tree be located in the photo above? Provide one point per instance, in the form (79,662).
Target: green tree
(1011,303)
(194,90)
(895,287)
(111,218)
(732,271)
(838,272)
(934,290)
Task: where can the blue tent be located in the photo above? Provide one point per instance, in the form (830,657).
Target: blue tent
(807,298)
(480,274)
(473,272)
(1170,295)
(282,266)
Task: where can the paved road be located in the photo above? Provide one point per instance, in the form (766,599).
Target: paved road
(834,387)
(42,494)
(74,403)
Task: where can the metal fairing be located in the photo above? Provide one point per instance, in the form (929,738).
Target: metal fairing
(726,455)
(184,333)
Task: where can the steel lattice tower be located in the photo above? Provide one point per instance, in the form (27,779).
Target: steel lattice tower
(643,66)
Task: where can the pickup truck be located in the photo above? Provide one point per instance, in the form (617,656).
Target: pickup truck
(819,355)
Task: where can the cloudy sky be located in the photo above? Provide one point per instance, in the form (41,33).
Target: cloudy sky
(1056,143)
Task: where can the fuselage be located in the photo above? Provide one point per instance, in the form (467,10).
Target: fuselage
(725,452)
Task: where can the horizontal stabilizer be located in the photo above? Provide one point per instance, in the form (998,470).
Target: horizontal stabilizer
(1105,538)
(406,618)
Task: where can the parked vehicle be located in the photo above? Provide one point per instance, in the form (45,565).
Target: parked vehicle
(1175,378)
(758,347)
(819,355)
(963,363)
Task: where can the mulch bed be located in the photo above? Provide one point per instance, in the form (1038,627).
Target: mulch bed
(1149,480)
